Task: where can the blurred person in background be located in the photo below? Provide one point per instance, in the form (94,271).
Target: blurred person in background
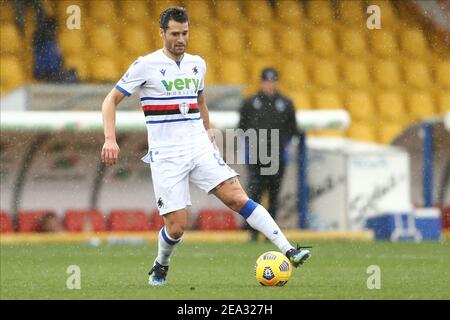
(268,109)
(50,223)
(20,7)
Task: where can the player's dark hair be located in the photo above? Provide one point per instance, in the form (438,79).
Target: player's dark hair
(178,14)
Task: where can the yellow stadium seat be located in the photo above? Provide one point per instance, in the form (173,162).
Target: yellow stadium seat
(105,70)
(261,43)
(383,43)
(136,41)
(355,73)
(134,11)
(104,41)
(442,70)
(10,40)
(232,42)
(201,42)
(254,69)
(320,12)
(388,131)
(391,106)
(229,11)
(360,105)
(353,42)
(291,43)
(289,12)
(79,63)
(351,13)
(444,102)
(386,73)
(72,42)
(293,75)
(301,99)
(413,43)
(417,74)
(327,100)
(420,105)
(11,73)
(362,131)
(325,73)
(258,12)
(231,71)
(199,10)
(6,13)
(323,42)
(102,11)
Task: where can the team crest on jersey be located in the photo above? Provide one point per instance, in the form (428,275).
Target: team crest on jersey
(184,108)
(163,72)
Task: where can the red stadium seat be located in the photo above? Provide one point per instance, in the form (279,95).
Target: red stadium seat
(156,221)
(128,220)
(79,220)
(28,220)
(446,218)
(5,223)
(217,220)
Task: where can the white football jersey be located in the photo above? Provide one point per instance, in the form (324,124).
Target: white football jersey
(168,92)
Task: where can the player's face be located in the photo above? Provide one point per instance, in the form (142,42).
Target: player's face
(269,87)
(176,37)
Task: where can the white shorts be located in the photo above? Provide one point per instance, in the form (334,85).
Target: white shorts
(173,170)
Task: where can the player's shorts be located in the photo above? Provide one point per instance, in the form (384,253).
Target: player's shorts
(173,170)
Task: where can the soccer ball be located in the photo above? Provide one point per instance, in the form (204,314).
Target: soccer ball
(273,269)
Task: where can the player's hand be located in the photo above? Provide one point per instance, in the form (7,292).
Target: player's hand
(110,152)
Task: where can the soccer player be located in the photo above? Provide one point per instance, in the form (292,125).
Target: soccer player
(180,143)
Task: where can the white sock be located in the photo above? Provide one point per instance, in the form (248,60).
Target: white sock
(260,219)
(166,246)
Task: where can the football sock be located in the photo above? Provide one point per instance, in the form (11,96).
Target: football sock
(166,246)
(260,219)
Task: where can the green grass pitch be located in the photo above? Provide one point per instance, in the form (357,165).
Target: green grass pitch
(337,270)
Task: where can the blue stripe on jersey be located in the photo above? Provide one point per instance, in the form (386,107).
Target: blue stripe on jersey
(171,120)
(168,98)
(125,92)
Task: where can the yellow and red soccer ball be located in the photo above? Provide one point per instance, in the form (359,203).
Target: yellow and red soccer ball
(273,269)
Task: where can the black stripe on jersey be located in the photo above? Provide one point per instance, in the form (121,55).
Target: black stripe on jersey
(166,112)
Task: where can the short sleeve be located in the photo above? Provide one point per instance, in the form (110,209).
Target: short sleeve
(202,80)
(133,78)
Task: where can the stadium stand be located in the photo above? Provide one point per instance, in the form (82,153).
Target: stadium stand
(217,220)
(128,220)
(5,223)
(87,220)
(156,221)
(29,220)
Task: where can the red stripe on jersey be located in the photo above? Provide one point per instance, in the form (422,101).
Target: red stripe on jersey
(162,107)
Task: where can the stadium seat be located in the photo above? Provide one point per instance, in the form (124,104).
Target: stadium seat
(231,71)
(261,43)
(10,40)
(232,42)
(103,41)
(327,100)
(417,74)
(105,70)
(444,102)
(386,73)
(442,70)
(201,42)
(102,12)
(217,220)
(200,12)
(294,75)
(446,218)
(87,220)
(136,41)
(389,131)
(325,73)
(320,12)
(11,73)
(79,63)
(29,220)
(128,220)
(360,105)
(355,73)
(5,223)
(413,43)
(291,43)
(362,131)
(6,13)
(301,99)
(322,41)
(258,12)
(289,12)
(72,42)
(134,11)
(353,42)
(228,12)
(156,221)
(390,105)
(383,43)
(351,13)
(420,105)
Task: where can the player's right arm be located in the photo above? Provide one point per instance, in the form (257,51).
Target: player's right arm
(110,150)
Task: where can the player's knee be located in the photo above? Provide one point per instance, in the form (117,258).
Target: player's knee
(237,202)
(175,231)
